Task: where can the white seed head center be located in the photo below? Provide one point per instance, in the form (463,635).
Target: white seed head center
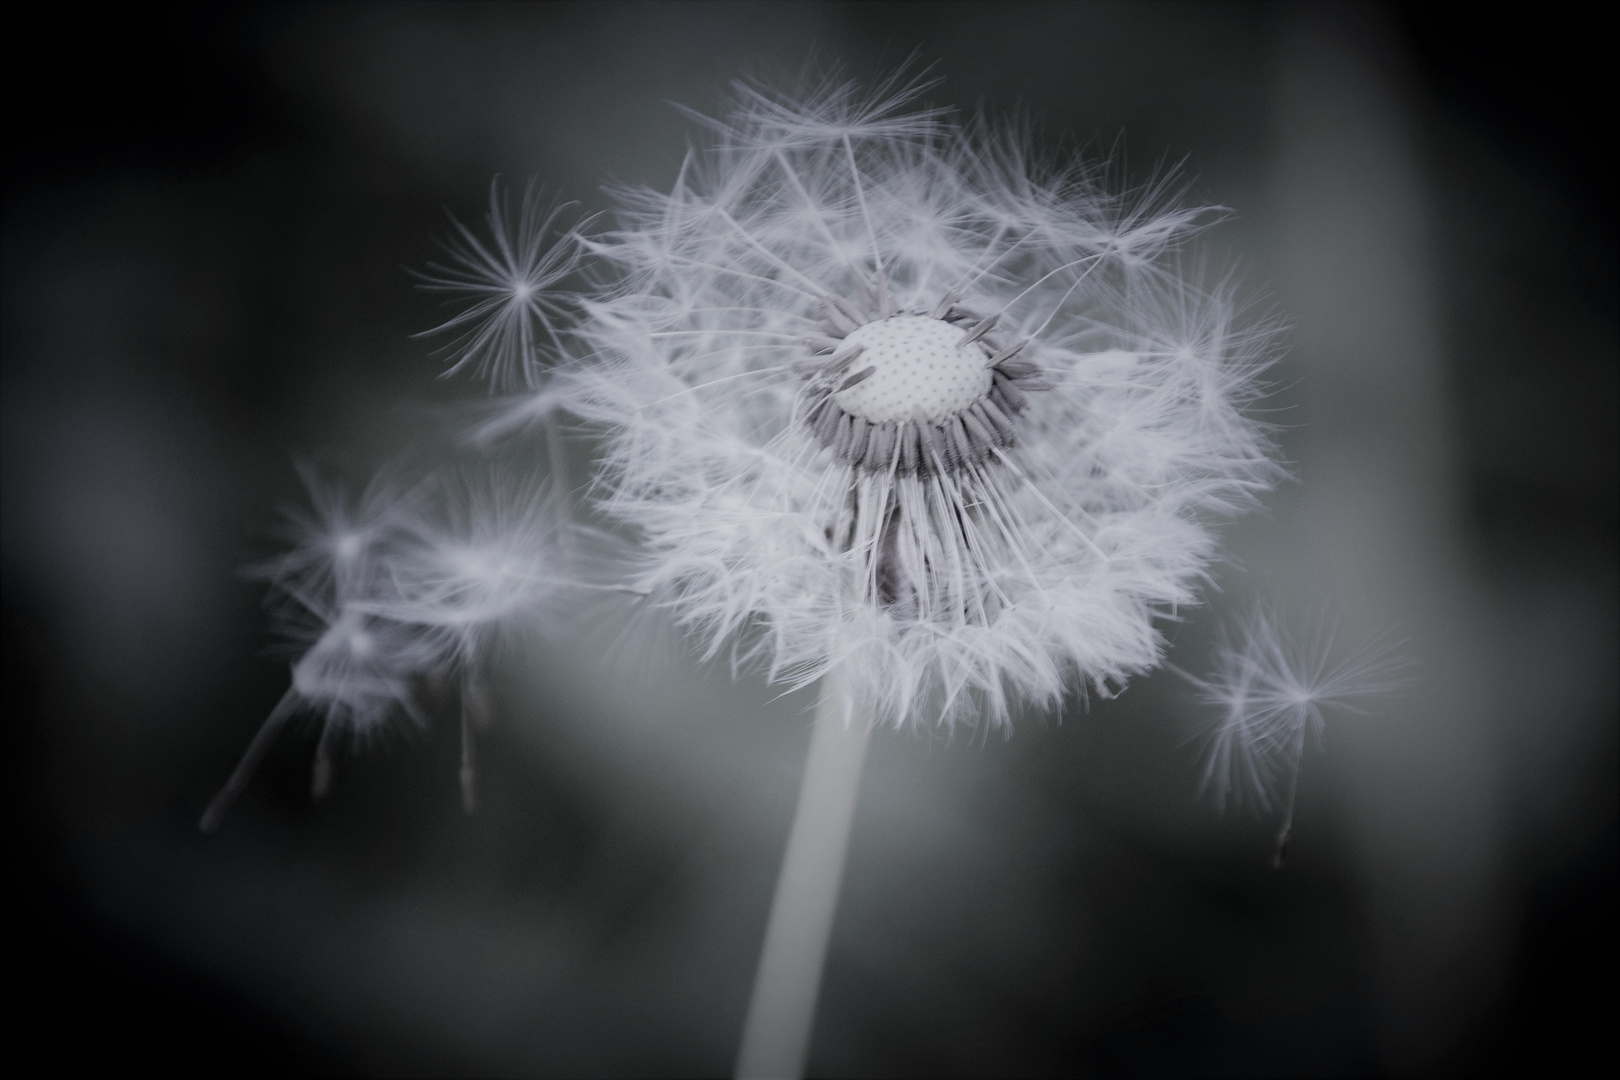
(919,366)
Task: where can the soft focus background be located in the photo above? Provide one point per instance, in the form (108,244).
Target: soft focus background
(207,216)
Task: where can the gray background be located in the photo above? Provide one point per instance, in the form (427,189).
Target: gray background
(206,219)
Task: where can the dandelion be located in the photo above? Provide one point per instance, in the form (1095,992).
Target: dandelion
(893,407)
(885,403)
(1273,693)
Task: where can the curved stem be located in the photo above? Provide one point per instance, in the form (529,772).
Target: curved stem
(776,1035)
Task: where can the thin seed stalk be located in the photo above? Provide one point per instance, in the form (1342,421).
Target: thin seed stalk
(250,761)
(1286,832)
(781,1012)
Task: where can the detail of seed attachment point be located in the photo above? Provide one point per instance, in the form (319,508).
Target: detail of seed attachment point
(917,363)
(930,393)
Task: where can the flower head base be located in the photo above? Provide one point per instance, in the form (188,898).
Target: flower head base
(917,393)
(880,396)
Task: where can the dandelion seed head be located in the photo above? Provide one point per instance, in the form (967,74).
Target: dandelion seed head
(879,392)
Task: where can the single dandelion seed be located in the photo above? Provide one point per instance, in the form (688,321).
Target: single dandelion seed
(507,283)
(492,556)
(1272,693)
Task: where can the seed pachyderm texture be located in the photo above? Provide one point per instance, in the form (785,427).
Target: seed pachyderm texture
(883,394)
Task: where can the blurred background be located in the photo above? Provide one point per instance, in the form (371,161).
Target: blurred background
(208,212)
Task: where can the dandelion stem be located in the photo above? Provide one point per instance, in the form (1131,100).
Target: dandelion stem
(776,1035)
(1286,832)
